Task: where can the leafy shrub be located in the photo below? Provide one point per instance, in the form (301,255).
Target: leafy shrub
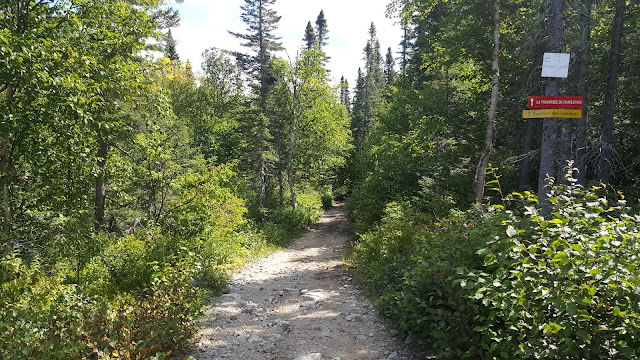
(285,223)
(411,272)
(563,286)
(327,199)
(223,251)
(41,317)
(205,202)
(512,284)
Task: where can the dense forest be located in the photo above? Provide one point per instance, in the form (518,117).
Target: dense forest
(132,185)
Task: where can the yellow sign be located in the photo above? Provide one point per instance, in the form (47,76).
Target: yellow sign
(552,113)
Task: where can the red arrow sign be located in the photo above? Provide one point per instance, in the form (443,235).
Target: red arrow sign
(555,102)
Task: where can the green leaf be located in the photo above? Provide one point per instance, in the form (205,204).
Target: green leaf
(572,309)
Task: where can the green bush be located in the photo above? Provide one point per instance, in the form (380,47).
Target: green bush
(411,271)
(562,286)
(327,200)
(41,317)
(284,224)
(512,284)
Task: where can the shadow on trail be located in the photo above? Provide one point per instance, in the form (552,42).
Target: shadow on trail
(297,301)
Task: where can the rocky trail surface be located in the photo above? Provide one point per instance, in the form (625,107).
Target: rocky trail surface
(299,304)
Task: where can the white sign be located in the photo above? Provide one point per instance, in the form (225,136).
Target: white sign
(556,65)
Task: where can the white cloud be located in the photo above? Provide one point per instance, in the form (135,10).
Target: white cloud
(204,23)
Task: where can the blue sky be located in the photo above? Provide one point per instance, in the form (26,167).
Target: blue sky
(204,23)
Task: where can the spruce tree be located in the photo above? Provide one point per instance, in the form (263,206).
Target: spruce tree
(261,22)
(321,34)
(170,50)
(309,37)
(389,71)
(373,82)
(357,112)
(344,93)
(322,30)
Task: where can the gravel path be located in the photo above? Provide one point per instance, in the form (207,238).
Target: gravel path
(298,304)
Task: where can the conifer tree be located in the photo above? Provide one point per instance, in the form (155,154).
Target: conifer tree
(357,112)
(322,30)
(321,34)
(261,21)
(170,50)
(344,93)
(389,71)
(309,37)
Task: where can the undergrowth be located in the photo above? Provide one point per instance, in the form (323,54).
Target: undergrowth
(510,282)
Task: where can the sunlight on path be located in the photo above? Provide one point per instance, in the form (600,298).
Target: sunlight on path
(299,304)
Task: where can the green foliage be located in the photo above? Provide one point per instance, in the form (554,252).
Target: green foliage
(327,199)
(41,317)
(505,284)
(284,224)
(565,286)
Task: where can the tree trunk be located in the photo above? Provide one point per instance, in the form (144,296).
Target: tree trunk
(293,131)
(292,188)
(101,190)
(550,126)
(262,181)
(493,108)
(582,125)
(615,60)
(280,186)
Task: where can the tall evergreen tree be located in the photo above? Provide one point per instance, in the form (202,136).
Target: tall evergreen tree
(309,37)
(357,111)
(322,30)
(374,83)
(344,93)
(321,34)
(389,71)
(170,50)
(261,21)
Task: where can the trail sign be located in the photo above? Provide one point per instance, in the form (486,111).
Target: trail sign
(555,65)
(555,102)
(552,113)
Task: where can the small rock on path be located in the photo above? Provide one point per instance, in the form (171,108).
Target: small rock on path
(298,304)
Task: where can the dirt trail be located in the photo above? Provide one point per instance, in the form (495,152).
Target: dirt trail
(298,303)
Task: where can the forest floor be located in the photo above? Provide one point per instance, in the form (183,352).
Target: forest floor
(298,303)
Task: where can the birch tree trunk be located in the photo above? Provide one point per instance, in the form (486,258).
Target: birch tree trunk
(493,108)
(615,60)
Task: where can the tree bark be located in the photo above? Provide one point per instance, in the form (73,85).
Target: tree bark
(262,181)
(101,190)
(293,131)
(281,186)
(615,60)
(582,125)
(493,108)
(292,187)
(550,126)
